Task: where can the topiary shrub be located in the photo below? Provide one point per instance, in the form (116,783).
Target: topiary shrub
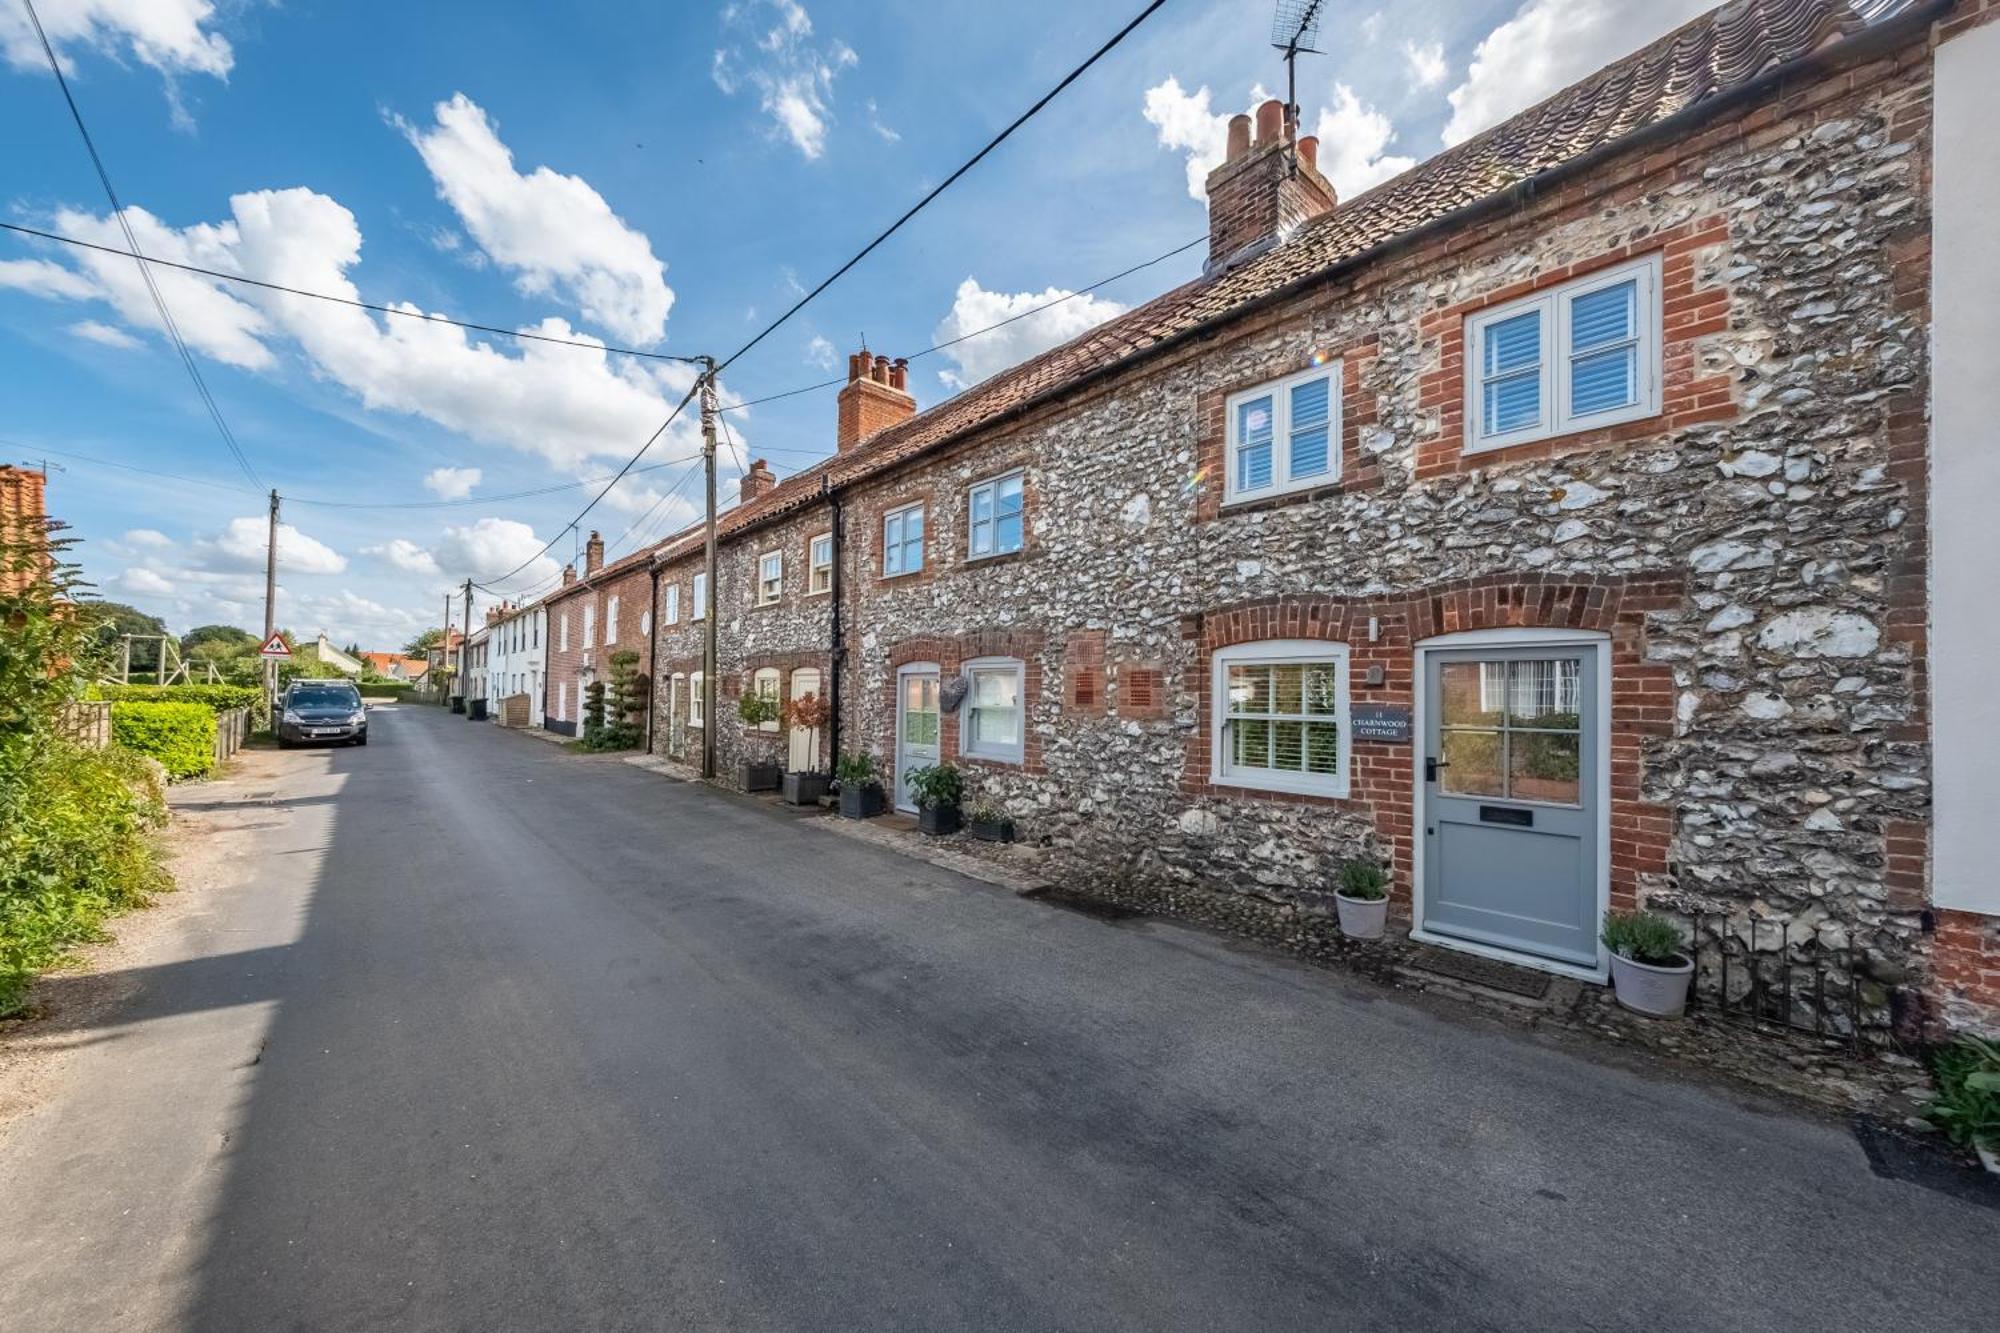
(180,735)
(215,698)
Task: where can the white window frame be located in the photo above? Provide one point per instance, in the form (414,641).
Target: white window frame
(1001,754)
(673,613)
(695,716)
(611,621)
(775,679)
(1554,304)
(1273,652)
(564,627)
(700,608)
(992,485)
(1280,393)
(816,585)
(902,512)
(589,625)
(770,588)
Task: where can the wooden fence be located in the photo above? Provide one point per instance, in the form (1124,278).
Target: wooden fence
(232,728)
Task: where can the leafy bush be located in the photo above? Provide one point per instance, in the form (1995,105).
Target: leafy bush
(180,735)
(383,688)
(74,823)
(593,715)
(618,703)
(216,698)
(756,709)
(1643,937)
(856,767)
(1967,1105)
(1364,880)
(936,784)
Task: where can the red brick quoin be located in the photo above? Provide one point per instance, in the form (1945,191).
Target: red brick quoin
(1965,970)
(1642,695)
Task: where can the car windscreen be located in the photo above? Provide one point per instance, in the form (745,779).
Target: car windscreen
(327,696)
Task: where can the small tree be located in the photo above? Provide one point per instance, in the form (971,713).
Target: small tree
(593,715)
(623,701)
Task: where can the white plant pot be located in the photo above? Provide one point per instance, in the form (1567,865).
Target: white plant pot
(1989,1159)
(1362,918)
(1657,992)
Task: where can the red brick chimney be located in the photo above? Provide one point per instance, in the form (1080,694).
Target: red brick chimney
(759,480)
(593,554)
(877,396)
(23,520)
(1263,191)
(569,575)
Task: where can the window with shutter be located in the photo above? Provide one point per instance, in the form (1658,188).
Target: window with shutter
(1284,436)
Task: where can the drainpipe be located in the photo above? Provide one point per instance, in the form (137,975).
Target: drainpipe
(652,649)
(837,653)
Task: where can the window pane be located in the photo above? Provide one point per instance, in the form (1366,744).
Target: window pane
(1603,381)
(1514,343)
(1321,682)
(996,727)
(1544,766)
(913,525)
(1250,744)
(1309,452)
(1309,403)
(1472,695)
(995,689)
(1010,495)
(1288,746)
(982,504)
(1253,440)
(1471,764)
(1007,534)
(1513,403)
(1322,748)
(1250,689)
(1289,694)
(1603,316)
(1542,693)
(982,537)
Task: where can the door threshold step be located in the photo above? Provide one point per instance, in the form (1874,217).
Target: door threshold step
(1429,964)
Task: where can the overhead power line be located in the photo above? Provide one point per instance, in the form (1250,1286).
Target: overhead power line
(152,288)
(426,317)
(946,183)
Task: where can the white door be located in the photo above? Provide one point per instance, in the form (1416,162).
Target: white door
(804,756)
(916,726)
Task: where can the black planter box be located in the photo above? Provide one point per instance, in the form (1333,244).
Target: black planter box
(996,830)
(458,703)
(937,819)
(804,788)
(862,800)
(762,777)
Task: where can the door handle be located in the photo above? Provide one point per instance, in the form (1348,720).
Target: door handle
(1431,767)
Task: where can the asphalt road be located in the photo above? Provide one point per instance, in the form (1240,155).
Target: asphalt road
(495,1036)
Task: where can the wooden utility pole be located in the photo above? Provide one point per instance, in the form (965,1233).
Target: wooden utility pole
(708,719)
(464,644)
(444,654)
(270,605)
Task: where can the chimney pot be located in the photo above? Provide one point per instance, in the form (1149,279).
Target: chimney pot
(1309,151)
(1270,121)
(877,397)
(881,372)
(569,575)
(759,480)
(1239,137)
(593,553)
(855,364)
(899,374)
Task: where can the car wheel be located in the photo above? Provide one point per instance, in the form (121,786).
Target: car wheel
(284,744)
(361,740)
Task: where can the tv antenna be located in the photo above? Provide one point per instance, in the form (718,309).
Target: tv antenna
(1295,31)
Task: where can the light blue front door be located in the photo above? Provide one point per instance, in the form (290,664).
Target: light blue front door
(1510,817)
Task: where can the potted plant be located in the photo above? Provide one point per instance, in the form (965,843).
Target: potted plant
(1967,1104)
(991,824)
(755,710)
(807,712)
(1649,972)
(1362,900)
(860,791)
(936,789)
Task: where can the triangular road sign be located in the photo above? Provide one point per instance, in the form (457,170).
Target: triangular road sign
(275,648)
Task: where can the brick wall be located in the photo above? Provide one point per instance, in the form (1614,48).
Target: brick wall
(630,582)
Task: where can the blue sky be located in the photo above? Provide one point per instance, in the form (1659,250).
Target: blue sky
(661,176)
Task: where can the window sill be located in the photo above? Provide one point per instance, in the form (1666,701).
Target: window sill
(897,578)
(997,558)
(1279,787)
(1473,448)
(1280,499)
(1007,760)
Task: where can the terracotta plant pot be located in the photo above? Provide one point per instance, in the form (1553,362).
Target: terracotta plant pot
(1362,918)
(1657,992)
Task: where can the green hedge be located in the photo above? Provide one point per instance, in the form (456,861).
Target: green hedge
(399,690)
(180,735)
(216,698)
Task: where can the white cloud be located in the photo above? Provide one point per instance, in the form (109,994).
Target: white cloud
(171,36)
(1371,27)
(39,277)
(243,543)
(974,307)
(148,537)
(403,554)
(1186,125)
(451,483)
(1548,45)
(1352,135)
(492,547)
(555,232)
(792,76)
(819,352)
(1427,64)
(92,331)
(145,582)
(876,124)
